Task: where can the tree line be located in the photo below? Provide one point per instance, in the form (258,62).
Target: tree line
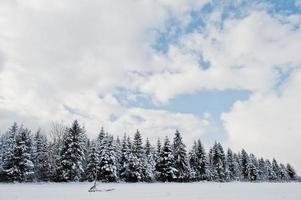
(71,156)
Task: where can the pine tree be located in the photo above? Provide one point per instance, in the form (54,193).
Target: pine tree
(139,154)
(118,149)
(271,175)
(291,172)
(165,170)
(233,166)
(283,173)
(9,169)
(150,162)
(198,162)
(158,149)
(180,159)
(276,168)
(129,170)
(212,171)
(92,164)
(41,158)
(193,162)
(72,154)
(23,163)
(244,161)
(108,161)
(252,168)
(218,163)
(262,170)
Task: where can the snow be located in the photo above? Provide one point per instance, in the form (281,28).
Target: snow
(157,191)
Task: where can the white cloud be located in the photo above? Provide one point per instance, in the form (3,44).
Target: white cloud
(268,124)
(64,60)
(61,60)
(250,53)
(245,54)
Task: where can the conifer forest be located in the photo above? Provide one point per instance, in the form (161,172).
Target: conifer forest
(68,155)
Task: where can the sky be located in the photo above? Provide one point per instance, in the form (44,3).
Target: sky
(227,71)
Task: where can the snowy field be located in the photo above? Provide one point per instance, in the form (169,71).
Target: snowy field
(155,191)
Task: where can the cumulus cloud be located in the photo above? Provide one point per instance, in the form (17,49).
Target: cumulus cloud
(66,60)
(257,52)
(246,53)
(269,124)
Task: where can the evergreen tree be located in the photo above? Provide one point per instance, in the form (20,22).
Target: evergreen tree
(291,172)
(23,163)
(283,173)
(194,163)
(180,158)
(72,154)
(244,161)
(108,161)
(158,149)
(252,168)
(198,162)
(212,171)
(92,164)
(236,157)
(262,170)
(9,169)
(233,166)
(218,163)
(139,154)
(150,162)
(271,175)
(276,169)
(41,158)
(165,170)
(129,170)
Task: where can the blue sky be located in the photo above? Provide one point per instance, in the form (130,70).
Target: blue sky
(217,70)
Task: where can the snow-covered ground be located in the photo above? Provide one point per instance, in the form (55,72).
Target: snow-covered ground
(154,191)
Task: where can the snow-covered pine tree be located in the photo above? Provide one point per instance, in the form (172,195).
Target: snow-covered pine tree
(150,162)
(92,168)
(22,156)
(72,154)
(129,170)
(244,160)
(233,166)
(193,162)
(236,157)
(218,162)
(9,169)
(180,159)
(118,148)
(108,161)
(291,172)
(262,170)
(276,168)
(139,153)
(124,158)
(41,158)
(252,168)
(165,170)
(283,173)
(271,175)
(158,149)
(198,162)
(212,171)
